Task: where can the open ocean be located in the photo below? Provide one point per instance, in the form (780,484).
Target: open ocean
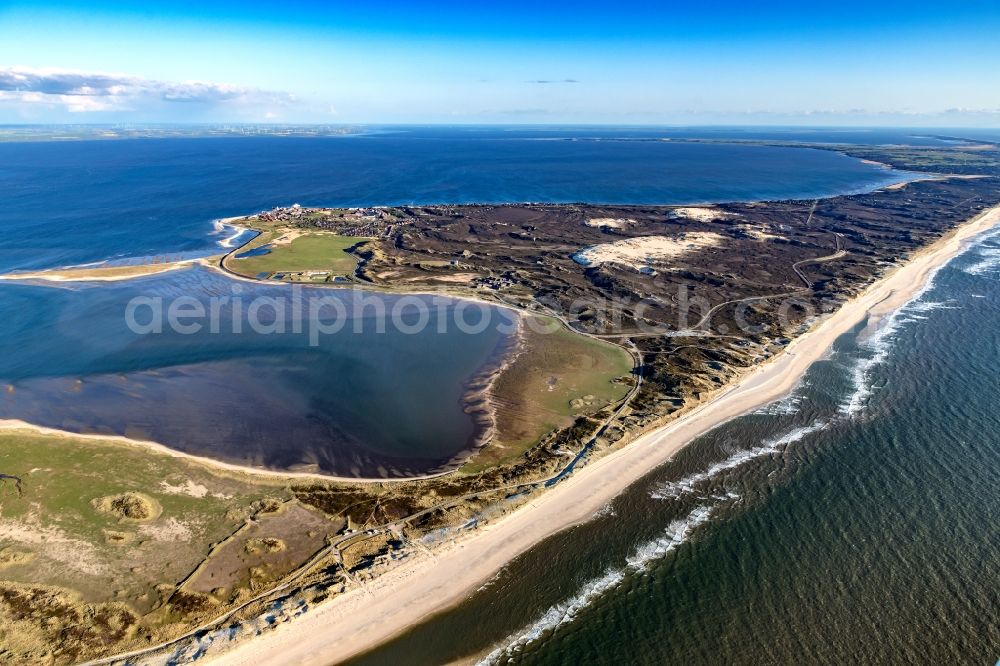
(854,521)
(70,203)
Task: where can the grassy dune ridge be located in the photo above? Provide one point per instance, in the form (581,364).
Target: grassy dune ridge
(73,551)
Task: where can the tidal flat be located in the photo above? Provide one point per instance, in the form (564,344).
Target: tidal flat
(377,399)
(270,399)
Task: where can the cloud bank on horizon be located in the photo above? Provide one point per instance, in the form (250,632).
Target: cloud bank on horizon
(79,92)
(720,62)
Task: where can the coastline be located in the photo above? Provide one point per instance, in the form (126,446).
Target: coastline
(211,463)
(107,273)
(363,618)
(479,398)
(100,272)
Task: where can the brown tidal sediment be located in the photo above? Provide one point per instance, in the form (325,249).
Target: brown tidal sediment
(479,399)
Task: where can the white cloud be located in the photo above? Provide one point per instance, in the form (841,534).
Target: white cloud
(87,92)
(81,104)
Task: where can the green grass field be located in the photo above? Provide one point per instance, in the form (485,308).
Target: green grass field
(61,478)
(560,376)
(309,252)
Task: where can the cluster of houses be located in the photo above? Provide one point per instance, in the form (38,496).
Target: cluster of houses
(495,282)
(293,213)
(373,213)
(370,222)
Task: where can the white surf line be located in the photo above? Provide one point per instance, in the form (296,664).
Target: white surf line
(566,612)
(788,405)
(236,231)
(879,343)
(684,486)
(989,255)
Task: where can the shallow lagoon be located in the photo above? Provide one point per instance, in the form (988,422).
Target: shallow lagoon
(361,402)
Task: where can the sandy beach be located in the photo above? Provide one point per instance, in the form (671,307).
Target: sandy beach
(278,476)
(109,273)
(365,617)
(104,273)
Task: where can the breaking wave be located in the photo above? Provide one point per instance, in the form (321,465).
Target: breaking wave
(876,347)
(605,511)
(783,407)
(989,261)
(687,485)
(988,256)
(879,343)
(565,612)
(234,233)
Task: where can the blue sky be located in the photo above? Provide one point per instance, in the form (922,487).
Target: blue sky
(841,63)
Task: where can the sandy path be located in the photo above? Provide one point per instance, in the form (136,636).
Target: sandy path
(361,619)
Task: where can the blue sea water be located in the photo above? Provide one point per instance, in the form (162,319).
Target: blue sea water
(68,360)
(71,203)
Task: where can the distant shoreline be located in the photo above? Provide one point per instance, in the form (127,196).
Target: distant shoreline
(115,273)
(362,619)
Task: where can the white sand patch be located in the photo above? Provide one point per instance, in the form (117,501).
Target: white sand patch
(454,278)
(170,530)
(610,222)
(189,487)
(639,252)
(761,233)
(702,213)
(287,237)
(54,544)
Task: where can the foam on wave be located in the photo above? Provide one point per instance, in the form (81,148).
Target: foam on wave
(687,485)
(877,346)
(988,255)
(234,233)
(565,612)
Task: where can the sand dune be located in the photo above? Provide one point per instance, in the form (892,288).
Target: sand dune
(702,213)
(643,250)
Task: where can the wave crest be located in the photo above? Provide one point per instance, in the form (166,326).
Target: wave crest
(565,612)
(687,485)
